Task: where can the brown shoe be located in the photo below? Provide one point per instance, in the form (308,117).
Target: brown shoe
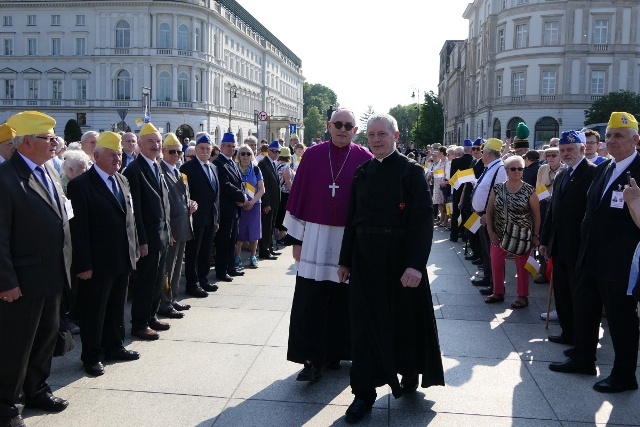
(145,334)
(159,325)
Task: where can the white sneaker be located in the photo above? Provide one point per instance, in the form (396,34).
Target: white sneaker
(553,316)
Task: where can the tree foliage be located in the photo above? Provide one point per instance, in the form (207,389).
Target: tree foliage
(430,126)
(319,97)
(314,125)
(361,136)
(406,116)
(72,131)
(601,110)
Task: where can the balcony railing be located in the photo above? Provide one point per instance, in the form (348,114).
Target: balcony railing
(596,97)
(163,103)
(547,98)
(518,98)
(184,53)
(601,47)
(121,51)
(167,52)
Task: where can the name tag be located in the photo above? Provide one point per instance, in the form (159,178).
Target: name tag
(617,201)
(68,208)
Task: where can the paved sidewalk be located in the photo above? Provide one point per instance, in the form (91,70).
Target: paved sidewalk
(224,364)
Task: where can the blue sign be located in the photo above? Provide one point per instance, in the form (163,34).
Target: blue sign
(292,128)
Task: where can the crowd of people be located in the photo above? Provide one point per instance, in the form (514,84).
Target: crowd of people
(116,216)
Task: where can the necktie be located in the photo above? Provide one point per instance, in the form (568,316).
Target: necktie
(156,171)
(566,179)
(607,177)
(45,181)
(177,174)
(116,191)
(210,175)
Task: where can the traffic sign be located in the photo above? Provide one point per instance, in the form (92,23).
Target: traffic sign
(262,116)
(292,128)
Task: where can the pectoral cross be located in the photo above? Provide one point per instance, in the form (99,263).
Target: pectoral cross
(333,189)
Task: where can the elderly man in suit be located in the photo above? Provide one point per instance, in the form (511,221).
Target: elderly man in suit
(103,233)
(232,199)
(6,142)
(204,187)
(151,210)
(608,240)
(129,143)
(181,229)
(35,257)
(459,164)
(560,235)
(270,200)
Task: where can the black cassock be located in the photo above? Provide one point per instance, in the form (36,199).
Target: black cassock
(389,228)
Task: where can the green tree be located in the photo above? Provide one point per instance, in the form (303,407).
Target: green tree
(361,136)
(430,126)
(319,96)
(314,125)
(406,116)
(601,110)
(72,131)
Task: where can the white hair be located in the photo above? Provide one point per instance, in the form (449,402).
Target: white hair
(87,134)
(72,158)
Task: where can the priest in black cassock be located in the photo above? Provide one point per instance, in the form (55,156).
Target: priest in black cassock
(385,248)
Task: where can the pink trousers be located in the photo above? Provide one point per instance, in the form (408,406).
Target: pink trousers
(498,259)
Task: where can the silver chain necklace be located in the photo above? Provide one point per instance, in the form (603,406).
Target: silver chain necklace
(334,186)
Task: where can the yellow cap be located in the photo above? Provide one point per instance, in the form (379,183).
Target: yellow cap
(294,136)
(285,152)
(31,123)
(493,144)
(147,129)
(171,140)
(6,133)
(110,140)
(622,120)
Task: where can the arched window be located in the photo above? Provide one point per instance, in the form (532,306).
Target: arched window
(198,89)
(183,37)
(164,36)
(164,86)
(546,128)
(198,47)
(513,125)
(123,85)
(123,34)
(497,129)
(183,88)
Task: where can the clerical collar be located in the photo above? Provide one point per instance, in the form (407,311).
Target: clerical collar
(382,159)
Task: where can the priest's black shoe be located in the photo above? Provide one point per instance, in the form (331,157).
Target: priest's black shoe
(571,367)
(486,291)
(612,385)
(356,411)
(235,273)
(409,384)
(123,354)
(197,292)
(560,339)
(481,282)
(209,287)
(310,373)
(274,253)
(16,421)
(94,369)
(49,403)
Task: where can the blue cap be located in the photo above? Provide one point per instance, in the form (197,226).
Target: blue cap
(569,137)
(274,144)
(478,142)
(467,143)
(228,137)
(203,139)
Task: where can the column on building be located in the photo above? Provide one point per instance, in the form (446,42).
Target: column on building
(193,83)
(174,75)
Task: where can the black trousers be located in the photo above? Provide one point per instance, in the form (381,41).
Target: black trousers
(147,289)
(101,303)
(590,295)
(268,222)
(196,256)
(225,239)
(485,244)
(565,283)
(28,332)
(455,213)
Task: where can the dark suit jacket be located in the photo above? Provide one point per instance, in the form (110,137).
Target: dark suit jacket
(180,220)
(561,227)
(231,188)
(35,242)
(201,191)
(530,174)
(461,163)
(609,235)
(126,160)
(103,233)
(150,204)
(271,196)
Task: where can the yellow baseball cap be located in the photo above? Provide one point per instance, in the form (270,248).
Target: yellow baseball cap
(6,132)
(622,120)
(493,144)
(171,140)
(294,136)
(31,123)
(110,140)
(147,129)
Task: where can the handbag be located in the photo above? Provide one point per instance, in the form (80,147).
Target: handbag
(516,239)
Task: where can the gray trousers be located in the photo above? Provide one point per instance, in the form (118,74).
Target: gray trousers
(175,255)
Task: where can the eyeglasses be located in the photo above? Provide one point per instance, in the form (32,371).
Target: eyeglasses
(551,155)
(347,126)
(244,153)
(516,169)
(172,152)
(47,138)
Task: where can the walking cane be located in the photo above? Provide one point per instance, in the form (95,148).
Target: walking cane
(549,301)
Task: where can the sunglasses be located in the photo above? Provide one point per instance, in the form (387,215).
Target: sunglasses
(347,126)
(275,151)
(172,152)
(551,155)
(48,138)
(516,169)
(475,148)
(244,153)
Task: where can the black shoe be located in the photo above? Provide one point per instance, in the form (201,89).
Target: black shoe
(560,339)
(197,292)
(16,421)
(94,369)
(171,314)
(49,403)
(471,257)
(267,256)
(209,287)
(235,273)
(310,373)
(611,385)
(356,411)
(481,282)
(274,253)
(122,354)
(224,278)
(409,384)
(571,367)
(569,352)
(180,307)
(487,291)
(477,261)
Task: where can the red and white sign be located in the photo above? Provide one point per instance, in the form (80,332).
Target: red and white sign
(262,116)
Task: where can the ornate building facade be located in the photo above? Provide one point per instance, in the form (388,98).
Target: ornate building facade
(199,65)
(539,61)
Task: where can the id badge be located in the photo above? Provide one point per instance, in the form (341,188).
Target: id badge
(617,201)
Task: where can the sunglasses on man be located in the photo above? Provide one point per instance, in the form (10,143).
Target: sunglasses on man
(347,126)
(516,169)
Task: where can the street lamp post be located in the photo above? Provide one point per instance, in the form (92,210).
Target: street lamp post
(415,89)
(233,91)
